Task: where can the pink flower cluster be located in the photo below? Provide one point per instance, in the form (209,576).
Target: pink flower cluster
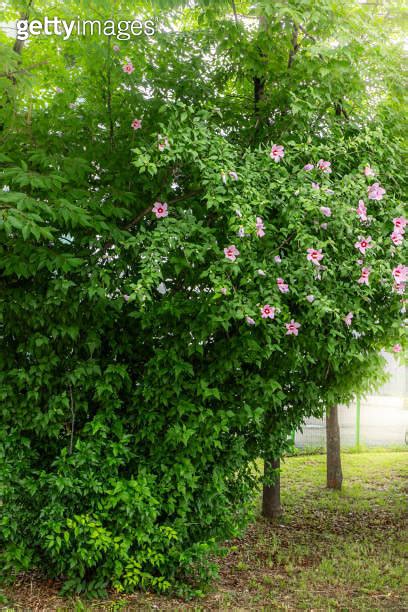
(282,286)
(326,211)
(363,244)
(268,312)
(260,227)
(348,319)
(136,124)
(397,235)
(231,252)
(365,273)
(292,328)
(277,152)
(128,68)
(376,192)
(325,166)
(400,274)
(362,211)
(315,255)
(231,174)
(160,209)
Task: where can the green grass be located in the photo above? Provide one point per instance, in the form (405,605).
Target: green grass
(329,551)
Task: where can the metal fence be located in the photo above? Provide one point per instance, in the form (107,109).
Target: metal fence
(384,424)
(375,420)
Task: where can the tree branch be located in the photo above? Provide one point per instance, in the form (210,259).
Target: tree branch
(19,44)
(234,8)
(295,45)
(9,75)
(72,407)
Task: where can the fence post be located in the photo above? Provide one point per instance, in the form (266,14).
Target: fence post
(358,408)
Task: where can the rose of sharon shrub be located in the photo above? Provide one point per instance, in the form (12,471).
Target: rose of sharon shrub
(147,362)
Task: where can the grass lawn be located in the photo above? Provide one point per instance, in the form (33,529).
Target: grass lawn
(330,551)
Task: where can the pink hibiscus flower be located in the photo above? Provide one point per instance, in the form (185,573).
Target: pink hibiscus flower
(397,238)
(348,319)
(268,312)
(326,211)
(324,166)
(365,273)
(364,244)
(362,211)
(250,320)
(136,124)
(397,348)
(375,192)
(292,328)
(400,273)
(260,227)
(128,68)
(282,286)
(368,171)
(315,186)
(160,209)
(277,259)
(231,252)
(399,224)
(315,255)
(310,298)
(399,288)
(277,152)
(308,167)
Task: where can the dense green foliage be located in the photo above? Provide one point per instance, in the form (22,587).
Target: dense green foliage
(139,381)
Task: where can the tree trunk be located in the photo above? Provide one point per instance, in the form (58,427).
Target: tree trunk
(271,504)
(334,473)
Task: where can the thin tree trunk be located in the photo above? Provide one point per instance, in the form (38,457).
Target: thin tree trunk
(334,472)
(271,504)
